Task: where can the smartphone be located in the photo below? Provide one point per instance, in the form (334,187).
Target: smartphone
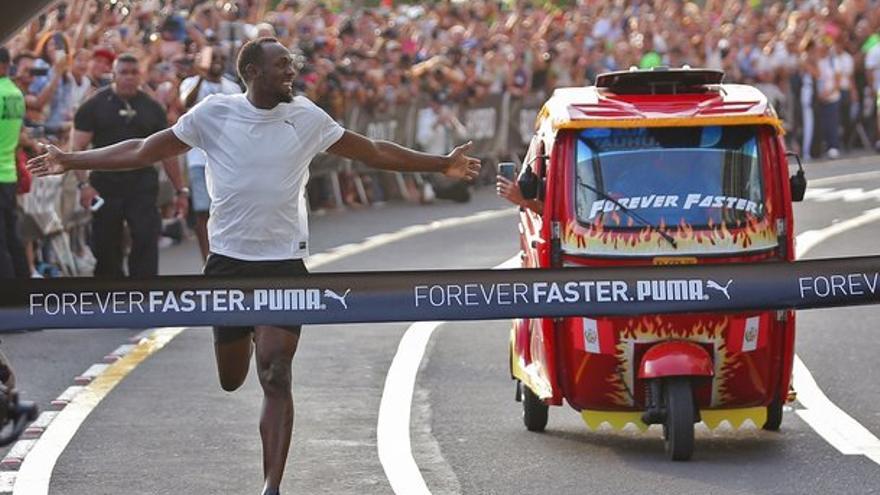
(507,170)
(205,56)
(97,203)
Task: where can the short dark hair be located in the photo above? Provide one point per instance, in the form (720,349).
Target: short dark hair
(252,53)
(126,58)
(5,56)
(22,55)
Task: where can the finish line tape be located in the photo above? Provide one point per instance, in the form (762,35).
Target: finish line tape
(361,297)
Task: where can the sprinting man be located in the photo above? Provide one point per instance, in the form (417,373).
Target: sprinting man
(258,146)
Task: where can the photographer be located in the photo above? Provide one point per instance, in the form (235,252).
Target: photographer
(7,375)
(26,73)
(12,412)
(439,127)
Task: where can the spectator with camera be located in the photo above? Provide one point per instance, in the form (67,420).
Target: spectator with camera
(438,128)
(26,73)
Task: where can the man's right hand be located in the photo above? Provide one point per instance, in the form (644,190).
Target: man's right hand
(49,163)
(509,190)
(86,195)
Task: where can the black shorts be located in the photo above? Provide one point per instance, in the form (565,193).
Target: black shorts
(218,265)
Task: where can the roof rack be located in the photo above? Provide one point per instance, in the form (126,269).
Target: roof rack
(660,80)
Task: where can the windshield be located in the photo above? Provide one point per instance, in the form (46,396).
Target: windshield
(701,177)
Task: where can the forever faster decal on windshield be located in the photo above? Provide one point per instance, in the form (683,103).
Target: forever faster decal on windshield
(689,201)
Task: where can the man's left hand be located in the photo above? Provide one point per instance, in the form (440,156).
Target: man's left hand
(181,205)
(461,166)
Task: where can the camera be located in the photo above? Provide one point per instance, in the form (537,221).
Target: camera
(97,203)
(14,414)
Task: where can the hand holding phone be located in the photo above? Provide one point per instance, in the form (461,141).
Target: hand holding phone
(507,170)
(205,56)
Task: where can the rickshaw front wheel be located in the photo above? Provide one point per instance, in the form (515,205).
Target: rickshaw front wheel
(678,428)
(535,412)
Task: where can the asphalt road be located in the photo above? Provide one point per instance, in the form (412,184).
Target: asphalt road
(168,428)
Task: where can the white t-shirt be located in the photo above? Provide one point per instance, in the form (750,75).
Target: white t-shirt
(258,166)
(197,157)
(80,91)
(845,66)
(829,91)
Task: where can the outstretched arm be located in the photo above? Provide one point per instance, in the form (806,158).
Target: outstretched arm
(129,154)
(390,156)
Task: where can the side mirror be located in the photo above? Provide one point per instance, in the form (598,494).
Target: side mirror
(798,181)
(528,183)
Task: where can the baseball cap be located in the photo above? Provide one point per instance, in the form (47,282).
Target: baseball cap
(104,53)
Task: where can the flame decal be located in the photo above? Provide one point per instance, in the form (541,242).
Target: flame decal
(654,328)
(595,239)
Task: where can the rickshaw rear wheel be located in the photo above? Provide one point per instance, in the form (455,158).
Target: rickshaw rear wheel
(679,424)
(774,415)
(535,412)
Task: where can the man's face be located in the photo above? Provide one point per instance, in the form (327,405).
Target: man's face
(218,63)
(277,72)
(127,77)
(80,63)
(23,71)
(99,66)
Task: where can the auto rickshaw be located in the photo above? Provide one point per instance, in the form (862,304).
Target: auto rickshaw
(656,167)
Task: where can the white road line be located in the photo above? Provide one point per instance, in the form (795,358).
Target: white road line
(836,179)
(35,474)
(809,239)
(392,430)
(393,427)
(849,195)
(831,422)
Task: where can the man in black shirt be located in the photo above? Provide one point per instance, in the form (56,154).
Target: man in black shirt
(115,114)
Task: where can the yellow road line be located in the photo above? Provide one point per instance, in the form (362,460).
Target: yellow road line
(36,470)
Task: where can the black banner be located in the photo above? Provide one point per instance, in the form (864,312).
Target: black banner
(438,295)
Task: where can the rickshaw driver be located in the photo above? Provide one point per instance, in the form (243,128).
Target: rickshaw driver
(259,146)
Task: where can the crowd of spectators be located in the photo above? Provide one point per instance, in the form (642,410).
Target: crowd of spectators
(818,61)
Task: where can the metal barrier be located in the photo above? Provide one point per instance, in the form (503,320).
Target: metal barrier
(438,295)
(500,127)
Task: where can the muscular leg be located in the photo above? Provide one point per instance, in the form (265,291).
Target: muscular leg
(233,361)
(275,350)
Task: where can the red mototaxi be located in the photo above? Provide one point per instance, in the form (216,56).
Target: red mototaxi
(652,168)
